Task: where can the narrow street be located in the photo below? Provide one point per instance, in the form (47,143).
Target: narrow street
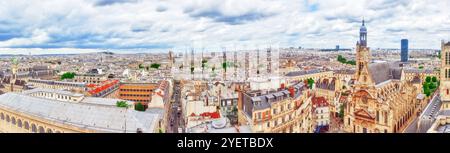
(175,115)
(336,125)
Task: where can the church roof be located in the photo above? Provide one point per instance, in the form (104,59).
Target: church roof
(384,71)
(416,79)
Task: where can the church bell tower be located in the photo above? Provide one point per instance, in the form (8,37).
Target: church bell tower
(362,76)
(445,75)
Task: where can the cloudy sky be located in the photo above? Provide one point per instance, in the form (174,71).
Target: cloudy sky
(159,25)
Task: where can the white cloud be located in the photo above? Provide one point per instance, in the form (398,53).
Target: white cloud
(160,25)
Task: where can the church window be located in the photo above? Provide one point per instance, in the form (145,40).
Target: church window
(378,115)
(26,126)
(41,129)
(447,58)
(446,74)
(33,128)
(19,123)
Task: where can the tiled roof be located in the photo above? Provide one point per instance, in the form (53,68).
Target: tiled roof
(319,101)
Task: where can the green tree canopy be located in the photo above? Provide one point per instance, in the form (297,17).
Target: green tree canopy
(428,79)
(434,79)
(310,82)
(343,60)
(155,65)
(204,61)
(224,66)
(68,75)
(121,104)
(430,85)
(192,70)
(139,107)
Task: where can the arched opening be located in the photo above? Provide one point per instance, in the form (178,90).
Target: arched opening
(49,131)
(19,123)
(7,118)
(13,120)
(33,128)
(41,129)
(2,116)
(26,126)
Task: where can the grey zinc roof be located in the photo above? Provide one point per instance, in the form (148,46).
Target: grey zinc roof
(345,71)
(102,101)
(416,79)
(48,90)
(89,116)
(379,72)
(383,71)
(412,70)
(263,104)
(300,73)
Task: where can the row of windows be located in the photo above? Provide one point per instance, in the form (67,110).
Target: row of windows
(447,58)
(42,94)
(447,73)
(89,78)
(137,90)
(260,115)
(229,102)
(275,110)
(365,130)
(25,125)
(39,83)
(136,100)
(283,119)
(134,95)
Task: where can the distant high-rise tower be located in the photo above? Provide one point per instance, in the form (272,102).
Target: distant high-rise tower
(14,71)
(445,75)
(224,63)
(404,50)
(247,65)
(235,63)
(269,60)
(257,62)
(192,63)
(171,59)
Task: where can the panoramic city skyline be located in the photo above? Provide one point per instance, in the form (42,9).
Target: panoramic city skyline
(158,26)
